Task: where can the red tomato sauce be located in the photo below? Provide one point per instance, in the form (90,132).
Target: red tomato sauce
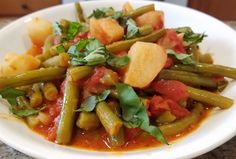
(97,140)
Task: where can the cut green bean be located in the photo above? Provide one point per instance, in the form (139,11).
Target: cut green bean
(180,125)
(111,122)
(210,98)
(141,10)
(187,78)
(88,121)
(117,140)
(209,68)
(50,91)
(36,99)
(145,30)
(165,117)
(80,72)
(64,25)
(61,60)
(22,102)
(69,105)
(79,12)
(126,44)
(34,76)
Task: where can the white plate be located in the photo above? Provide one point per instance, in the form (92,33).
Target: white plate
(216,130)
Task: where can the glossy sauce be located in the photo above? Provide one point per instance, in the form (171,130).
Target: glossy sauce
(97,140)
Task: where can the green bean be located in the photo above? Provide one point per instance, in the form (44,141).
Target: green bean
(126,44)
(22,102)
(141,10)
(109,120)
(61,60)
(188,78)
(34,76)
(165,117)
(115,107)
(209,68)
(79,12)
(36,99)
(80,72)
(64,25)
(210,98)
(88,121)
(70,102)
(180,125)
(117,140)
(145,30)
(50,91)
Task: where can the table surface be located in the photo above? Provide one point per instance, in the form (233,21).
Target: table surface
(225,151)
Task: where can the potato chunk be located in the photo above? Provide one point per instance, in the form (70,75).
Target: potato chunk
(15,64)
(153,18)
(106,30)
(146,61)
(39,29)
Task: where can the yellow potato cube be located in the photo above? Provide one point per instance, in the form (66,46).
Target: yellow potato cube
(146,61)
(106,30)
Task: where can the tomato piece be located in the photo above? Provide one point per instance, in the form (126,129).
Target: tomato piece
(172,89)
(177,110)
(169,63)
(131,133)
(79,36)
(101,79)
(158,105)
(56,40)
(172,41)
(218,78)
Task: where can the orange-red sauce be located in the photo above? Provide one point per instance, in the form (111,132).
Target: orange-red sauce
(98,140)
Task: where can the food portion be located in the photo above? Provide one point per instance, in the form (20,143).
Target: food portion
(113,80)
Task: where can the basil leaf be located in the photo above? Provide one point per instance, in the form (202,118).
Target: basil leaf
(134,112)
(60,49)
(118,62)
(95,59)
(183,58)
(103,96)
(117,15)
(10,94)
(56,28)
(132,29)
(190,38)
(73,29)
(102,12)
(90,103)
(92,52)
(26,112)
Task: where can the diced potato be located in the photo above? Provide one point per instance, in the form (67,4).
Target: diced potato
(34,50)
(127,7)
(153,18)
(106,30)
(146,61)
(44,118)
(15,64)
(32,121)
(39,29)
